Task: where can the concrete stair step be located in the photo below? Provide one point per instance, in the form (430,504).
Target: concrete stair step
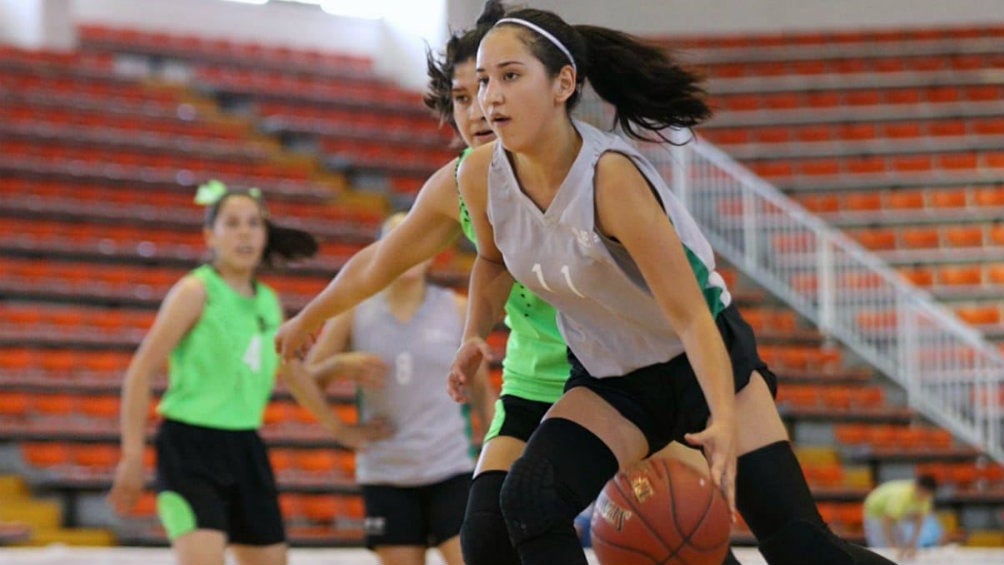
(74,537)
(12,486)
(40,514)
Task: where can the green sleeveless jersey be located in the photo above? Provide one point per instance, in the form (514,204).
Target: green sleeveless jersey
(222,373)
(536,363)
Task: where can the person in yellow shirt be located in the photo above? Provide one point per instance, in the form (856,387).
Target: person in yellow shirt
(898,514)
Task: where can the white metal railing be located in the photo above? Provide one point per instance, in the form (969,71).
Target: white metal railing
(951,374)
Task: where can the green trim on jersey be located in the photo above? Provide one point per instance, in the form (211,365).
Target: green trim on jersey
(222,372)
(712,293)
(535,366)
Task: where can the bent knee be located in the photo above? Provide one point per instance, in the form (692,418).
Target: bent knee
(529,499)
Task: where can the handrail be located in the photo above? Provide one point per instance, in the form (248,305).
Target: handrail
(951,374)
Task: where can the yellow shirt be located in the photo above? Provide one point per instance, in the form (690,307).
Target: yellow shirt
(896,500)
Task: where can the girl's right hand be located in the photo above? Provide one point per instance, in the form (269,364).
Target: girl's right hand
(466,364)
(364,369)
(293,340)
(358,436)
(127,486)
(718,442)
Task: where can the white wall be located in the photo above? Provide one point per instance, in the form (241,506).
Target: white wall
(36,24)
(278,23)
(396,43)
(704,16)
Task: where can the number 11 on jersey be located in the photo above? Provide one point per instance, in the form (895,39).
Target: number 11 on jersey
(564,271)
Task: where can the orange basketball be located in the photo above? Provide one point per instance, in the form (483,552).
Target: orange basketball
(661,511)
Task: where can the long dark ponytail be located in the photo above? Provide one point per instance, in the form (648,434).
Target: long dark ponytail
(649,89)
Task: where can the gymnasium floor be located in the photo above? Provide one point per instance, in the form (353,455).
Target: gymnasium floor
(129,556)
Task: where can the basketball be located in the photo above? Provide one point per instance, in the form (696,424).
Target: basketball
(660,511)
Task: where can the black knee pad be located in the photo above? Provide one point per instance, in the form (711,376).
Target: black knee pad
(484,538)
(562,470)
(798,543)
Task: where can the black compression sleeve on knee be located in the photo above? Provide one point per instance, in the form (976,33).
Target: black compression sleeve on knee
(771,490)
(484,538)
(562,470)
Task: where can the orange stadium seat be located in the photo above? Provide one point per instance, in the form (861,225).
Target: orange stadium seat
(867,397)
(347,412)
(863,201)
(106,363)
(820,203)
(995,273)
(17,359)
(282,460)
(962,474)
(954,198)
(302,415)
(345,461)
(97,457)
(939,439)
(104,407)
(797,396)
(919,276)
(907,199)
(912,438)
(990,197)
(837,397)
(146,506)
(964,236)
(960,276)
(60,361)
(851,434)
(45,455)
(980,315)
(289,505)
(321,508)
(351,507)
(54,405)
(883,436)
(991,473)
(317,461)
(277,412)
(876,239)
(996,233)
(920,238)
(13,404)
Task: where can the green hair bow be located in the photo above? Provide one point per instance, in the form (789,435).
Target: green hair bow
(210,192)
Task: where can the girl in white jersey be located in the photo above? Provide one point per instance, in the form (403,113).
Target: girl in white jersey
(658,353)
(414,482)
(535,367)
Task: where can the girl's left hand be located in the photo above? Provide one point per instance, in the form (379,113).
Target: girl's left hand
(718,442)
(465,367)
(293,340)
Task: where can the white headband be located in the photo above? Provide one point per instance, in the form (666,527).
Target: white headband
(543,32)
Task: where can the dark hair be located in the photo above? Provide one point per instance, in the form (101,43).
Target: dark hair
(460,47)
(288,243)
(927,482)
(649,89)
